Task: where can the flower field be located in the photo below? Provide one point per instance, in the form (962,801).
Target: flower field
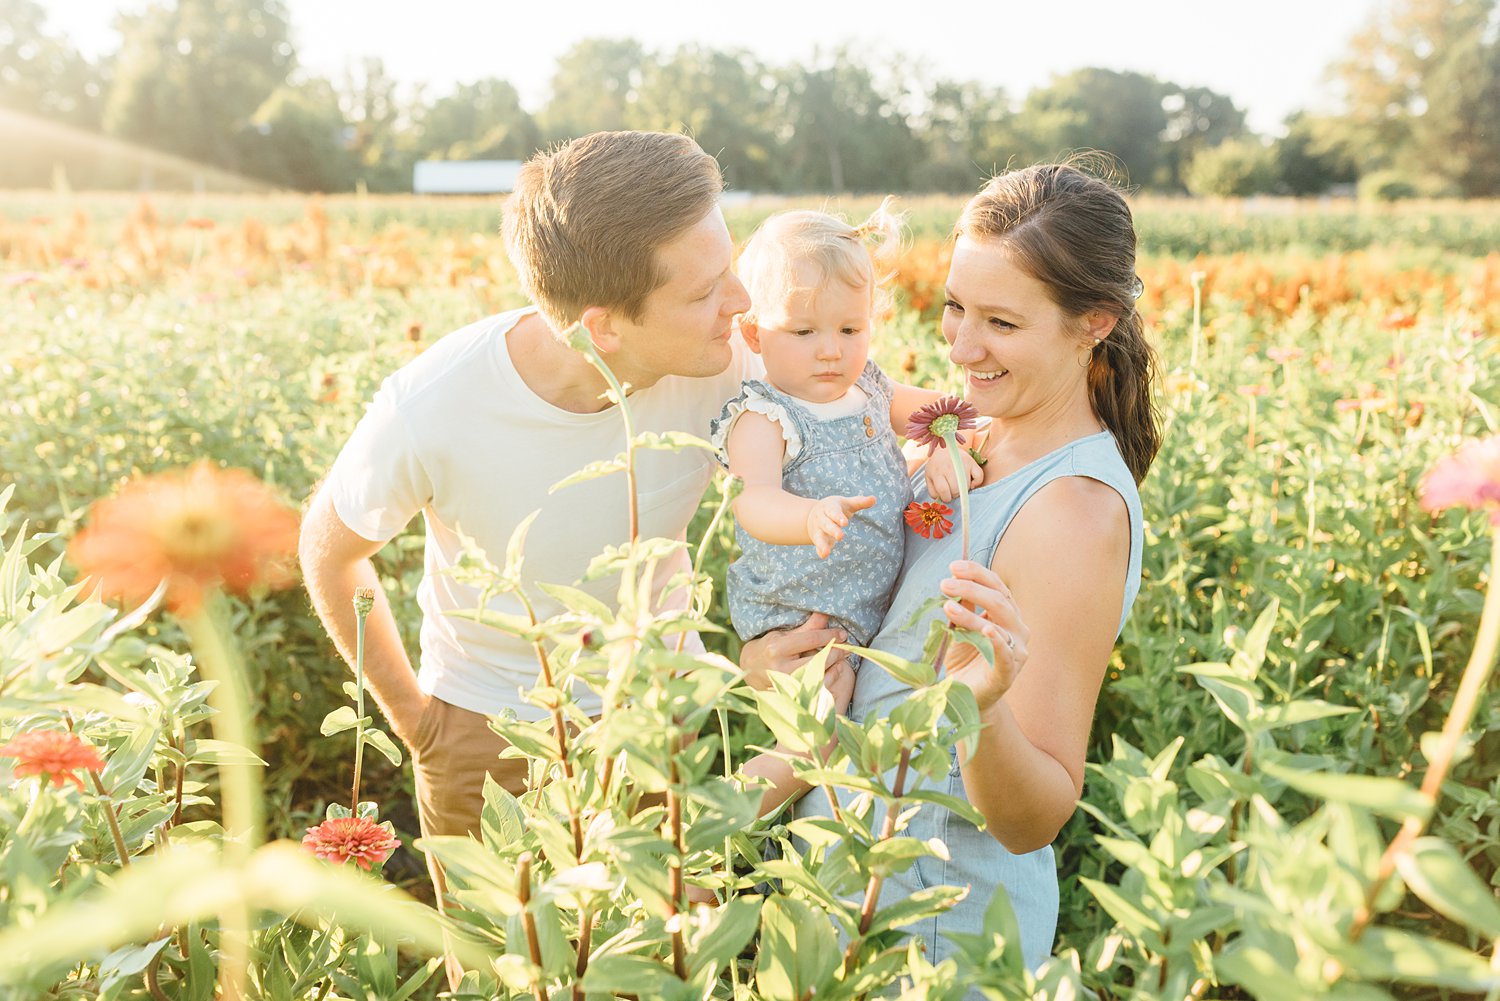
(1274,808)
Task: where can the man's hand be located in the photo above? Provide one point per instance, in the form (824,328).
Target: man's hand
(828,519)
(788,649)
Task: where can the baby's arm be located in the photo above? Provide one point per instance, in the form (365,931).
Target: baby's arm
(755,449)
(942,483)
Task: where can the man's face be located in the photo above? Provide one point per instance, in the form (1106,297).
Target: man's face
(685,326)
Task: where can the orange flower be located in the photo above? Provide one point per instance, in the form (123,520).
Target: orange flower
(1399,320)
(199,222)
(196,529)
(1256,389)
(929,519)
(346,839)
(1183,382)
(52,754)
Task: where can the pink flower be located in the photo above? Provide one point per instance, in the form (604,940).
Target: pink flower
(1282,356)
(949,415)
(1469,478)
(52,754)
(343,839)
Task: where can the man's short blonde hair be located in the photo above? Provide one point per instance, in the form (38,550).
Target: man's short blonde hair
(586,219)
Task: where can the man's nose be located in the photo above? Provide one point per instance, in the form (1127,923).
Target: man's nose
(739,299)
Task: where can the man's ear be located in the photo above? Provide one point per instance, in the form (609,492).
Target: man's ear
(750,332)
(600,325)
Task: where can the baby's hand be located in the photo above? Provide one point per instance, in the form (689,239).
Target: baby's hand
(828,518)
(941,483)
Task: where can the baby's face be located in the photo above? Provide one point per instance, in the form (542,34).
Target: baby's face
(816,341)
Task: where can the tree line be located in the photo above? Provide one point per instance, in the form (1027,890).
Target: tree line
(218,82)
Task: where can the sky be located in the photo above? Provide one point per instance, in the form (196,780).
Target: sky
(1270,56)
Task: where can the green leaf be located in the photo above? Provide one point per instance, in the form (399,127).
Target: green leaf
(1389,797)
(1406,957)
(798,949)
(515,548)
(1436,872)
(914,675)
(503,821)
(68,628)
(128,762)
(719,941)
(1300,711)
(671,441)
(593,471)
(339,720)
(1130,917)
(376,738)
(207,751)
(1247,660)
(1258,971)
(578,600)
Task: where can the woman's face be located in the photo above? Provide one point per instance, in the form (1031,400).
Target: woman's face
(1021,354)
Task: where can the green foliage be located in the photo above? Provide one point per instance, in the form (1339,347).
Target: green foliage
(1233,169)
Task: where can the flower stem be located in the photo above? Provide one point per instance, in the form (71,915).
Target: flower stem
(239,782)
(1481,660)
(107,802)
(872,890)
(586,346)
(360,612)
(963,487)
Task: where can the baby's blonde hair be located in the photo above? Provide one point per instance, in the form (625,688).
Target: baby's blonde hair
(859,256)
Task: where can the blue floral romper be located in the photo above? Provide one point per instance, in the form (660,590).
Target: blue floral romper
(775,587)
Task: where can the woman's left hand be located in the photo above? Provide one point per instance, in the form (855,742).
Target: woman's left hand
(996,617)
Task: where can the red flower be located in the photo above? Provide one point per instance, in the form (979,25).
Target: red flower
(52,754)
(949,415)
(1468,478)
(343,839)
(929,519)
(197,529)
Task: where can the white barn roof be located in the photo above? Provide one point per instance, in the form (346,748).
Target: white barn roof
(464,177)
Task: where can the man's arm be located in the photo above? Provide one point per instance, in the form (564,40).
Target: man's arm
(335,561)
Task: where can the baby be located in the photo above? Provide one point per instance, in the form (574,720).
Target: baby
(820,519)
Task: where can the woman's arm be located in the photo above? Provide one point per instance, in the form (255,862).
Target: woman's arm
(756,449)
(1055,587)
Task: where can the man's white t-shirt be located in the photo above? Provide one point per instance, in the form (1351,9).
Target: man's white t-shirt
(457,435)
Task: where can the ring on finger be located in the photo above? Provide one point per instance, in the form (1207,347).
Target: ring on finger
(1010,642)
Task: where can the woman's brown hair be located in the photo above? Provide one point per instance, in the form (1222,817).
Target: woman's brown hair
(1073,232)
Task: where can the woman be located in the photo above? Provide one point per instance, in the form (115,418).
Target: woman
(1040,314)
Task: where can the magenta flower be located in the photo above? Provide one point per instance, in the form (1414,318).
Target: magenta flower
(933,423)
(1468,478)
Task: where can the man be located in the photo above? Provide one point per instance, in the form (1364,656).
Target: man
(622,232)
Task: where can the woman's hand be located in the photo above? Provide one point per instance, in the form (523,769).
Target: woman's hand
(828,519)
(996,617)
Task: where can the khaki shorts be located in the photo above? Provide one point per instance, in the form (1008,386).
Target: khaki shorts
(452,751)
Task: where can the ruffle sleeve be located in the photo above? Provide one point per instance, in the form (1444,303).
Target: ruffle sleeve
(751,398)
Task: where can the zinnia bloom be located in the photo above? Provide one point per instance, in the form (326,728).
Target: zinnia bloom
(197,529)
(949,415)
(1468,478)
(357,839)
(1283,356)
(929,519)
(1183,382)
(52,754)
